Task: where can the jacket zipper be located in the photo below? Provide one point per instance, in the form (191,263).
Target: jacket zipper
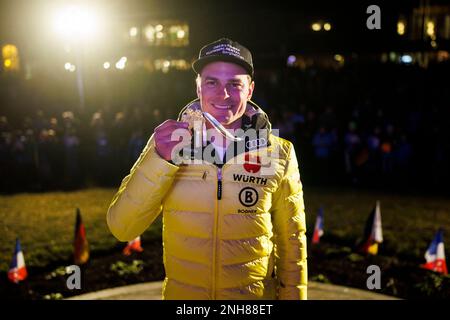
(219,183)
(216,229)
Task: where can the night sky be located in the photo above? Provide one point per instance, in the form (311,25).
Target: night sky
(262,25)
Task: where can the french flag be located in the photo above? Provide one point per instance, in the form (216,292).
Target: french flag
(17,271)
(318,228)
(134,245)
(373,232)
(435,255)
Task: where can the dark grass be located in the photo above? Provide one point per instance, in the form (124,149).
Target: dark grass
(45,224)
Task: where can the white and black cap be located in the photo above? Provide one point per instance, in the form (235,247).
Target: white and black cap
(224,50)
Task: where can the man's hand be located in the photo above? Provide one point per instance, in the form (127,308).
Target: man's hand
(166,140)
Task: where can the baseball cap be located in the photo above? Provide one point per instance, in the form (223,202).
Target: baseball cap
(224,50)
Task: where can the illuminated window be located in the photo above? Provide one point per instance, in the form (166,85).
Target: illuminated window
(10,56)
(401,25)
(321,25)
(430,29)
(150,33)
(168,33)
(165,65)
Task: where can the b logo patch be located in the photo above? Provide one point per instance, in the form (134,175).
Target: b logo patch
(248,196)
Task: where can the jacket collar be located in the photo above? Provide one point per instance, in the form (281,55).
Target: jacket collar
(253,118)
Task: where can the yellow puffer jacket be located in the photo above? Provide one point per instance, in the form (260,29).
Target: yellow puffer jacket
(229,232)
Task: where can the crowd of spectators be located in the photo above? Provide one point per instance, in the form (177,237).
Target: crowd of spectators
(373,125)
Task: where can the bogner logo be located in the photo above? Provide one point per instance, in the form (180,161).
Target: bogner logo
(250,179)
(246,211)
(248,196)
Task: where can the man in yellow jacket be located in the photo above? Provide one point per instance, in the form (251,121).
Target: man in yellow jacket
(229,190)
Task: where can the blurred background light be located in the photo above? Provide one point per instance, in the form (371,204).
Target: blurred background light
(133,31)
(430,28)
(401,28)
(291,60)
(76,22)
(121,63)
(181,34)
(10,57)
(150,33)
(339,58)
(406,59)
(316,26)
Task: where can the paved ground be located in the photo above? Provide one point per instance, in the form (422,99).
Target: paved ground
(152,291)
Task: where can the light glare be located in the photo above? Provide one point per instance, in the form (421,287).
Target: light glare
(75,22)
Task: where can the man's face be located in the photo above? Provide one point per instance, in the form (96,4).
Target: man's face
(224,89)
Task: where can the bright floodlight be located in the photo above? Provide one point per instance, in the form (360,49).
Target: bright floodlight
(76,22)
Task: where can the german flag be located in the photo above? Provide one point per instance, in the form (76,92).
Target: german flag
(81,245)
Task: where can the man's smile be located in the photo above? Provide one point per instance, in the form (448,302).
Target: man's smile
(222,106)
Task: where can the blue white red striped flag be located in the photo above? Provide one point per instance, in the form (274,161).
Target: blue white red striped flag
(17,270)
(435,255)
(373,232)
(318,228)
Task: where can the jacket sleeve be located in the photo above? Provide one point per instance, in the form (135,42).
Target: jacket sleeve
(289,224)
(138,202)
